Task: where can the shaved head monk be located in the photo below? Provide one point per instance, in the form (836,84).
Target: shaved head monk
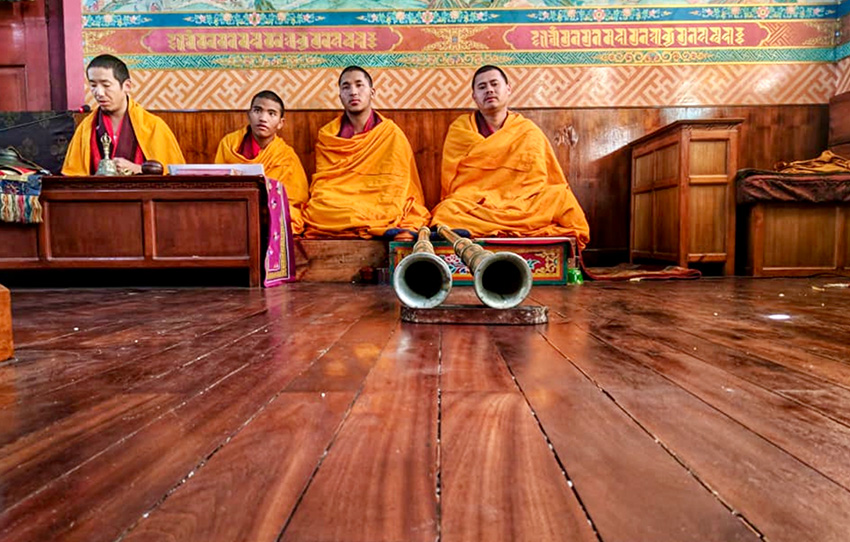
(366,182)
(135,135)
(258,143)
(500,176)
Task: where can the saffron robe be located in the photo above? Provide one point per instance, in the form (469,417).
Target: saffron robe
(153,134)
(279,163)
(364,185)
(509,184)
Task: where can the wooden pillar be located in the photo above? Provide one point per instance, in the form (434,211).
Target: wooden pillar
(6,349)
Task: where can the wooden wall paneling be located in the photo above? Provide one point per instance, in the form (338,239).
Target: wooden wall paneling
(598,165)
(839,123)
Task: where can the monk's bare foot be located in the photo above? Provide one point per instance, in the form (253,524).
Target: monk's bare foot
(403,237)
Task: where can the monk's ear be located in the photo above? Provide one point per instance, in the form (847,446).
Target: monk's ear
(127,86)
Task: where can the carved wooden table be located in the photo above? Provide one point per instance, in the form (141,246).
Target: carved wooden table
(141,222)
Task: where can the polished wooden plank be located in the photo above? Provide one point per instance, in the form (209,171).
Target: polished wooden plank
(839,127)
(746,471)
(378,481)
(816,348)
(644,493)
(211,411)
(499,480)
(803,432)
(248,489)
(629,384)
(611,304)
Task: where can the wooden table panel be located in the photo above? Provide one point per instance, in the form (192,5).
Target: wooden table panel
(91,230)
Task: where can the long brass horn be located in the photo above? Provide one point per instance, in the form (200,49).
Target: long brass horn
(501,279)
(422,280)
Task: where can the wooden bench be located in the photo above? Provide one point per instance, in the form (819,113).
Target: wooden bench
(141,222)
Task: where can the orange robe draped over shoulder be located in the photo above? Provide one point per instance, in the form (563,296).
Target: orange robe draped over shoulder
(279,162)
(153,134)
(508,184)
(364,185)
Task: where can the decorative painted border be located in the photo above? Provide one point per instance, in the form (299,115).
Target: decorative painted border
(781,12)
(473,60)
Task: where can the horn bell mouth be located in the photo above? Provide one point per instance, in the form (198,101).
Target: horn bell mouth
(422,280)
(503,280)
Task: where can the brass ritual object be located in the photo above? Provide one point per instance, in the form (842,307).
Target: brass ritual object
(502,280)
(107,165)
(422,280)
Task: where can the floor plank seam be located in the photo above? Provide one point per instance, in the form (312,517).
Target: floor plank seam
(554,452)
(201,464)
(335,435)
(140,428)
(812,378)
(120,441)
(657,440)
(319,463)
(230,437)
(686,389)
(143,357)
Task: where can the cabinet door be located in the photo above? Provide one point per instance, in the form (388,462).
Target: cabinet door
(24,68)
(666,224)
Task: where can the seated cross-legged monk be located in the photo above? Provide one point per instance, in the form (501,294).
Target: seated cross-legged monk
(258,143)
(500,176)
(366,181)
(135,134)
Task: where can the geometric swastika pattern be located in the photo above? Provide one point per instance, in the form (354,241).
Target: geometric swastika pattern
(555,86)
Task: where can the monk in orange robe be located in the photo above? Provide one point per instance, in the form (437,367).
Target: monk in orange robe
(135,134)
(366,181)
(500,175)
(258,143)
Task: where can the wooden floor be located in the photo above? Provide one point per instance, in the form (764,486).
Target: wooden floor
(644,411)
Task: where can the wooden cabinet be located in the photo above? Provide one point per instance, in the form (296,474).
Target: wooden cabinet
(683,197)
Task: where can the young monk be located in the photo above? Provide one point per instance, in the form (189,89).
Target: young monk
(135,134)
(500,175)
(258,143)
(366,181)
